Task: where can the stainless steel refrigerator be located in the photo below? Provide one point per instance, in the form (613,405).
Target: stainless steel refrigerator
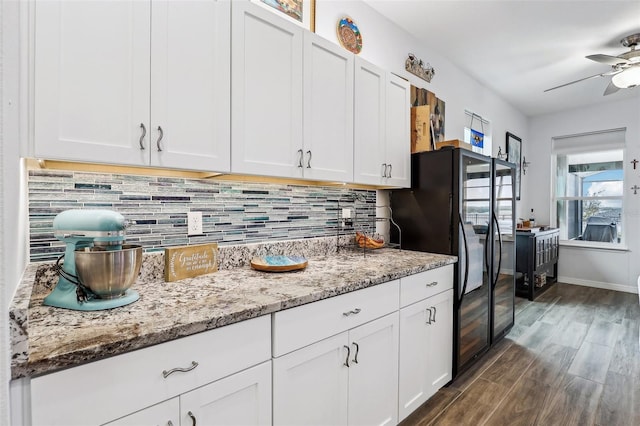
(462,203)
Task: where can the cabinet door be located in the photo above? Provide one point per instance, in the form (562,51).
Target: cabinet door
(190,85)
(163,414)
(310,384)
(426,350)
(398,136)
(266,107)
(441,340)
(241,399)
(373,372)
(92,81)
(370,116)
(328,110)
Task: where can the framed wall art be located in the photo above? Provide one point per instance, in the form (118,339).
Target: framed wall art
(514,155)
(301,12)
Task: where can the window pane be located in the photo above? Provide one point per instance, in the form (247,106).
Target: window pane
(590,220)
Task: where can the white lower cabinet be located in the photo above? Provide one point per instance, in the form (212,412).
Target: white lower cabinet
(426,349)
(241,399)
(347,379)
(166,413)
(106,390)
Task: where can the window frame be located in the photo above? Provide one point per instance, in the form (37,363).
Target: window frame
(621,245)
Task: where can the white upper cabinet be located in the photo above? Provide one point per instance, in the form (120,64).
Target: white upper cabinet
(328,111)
(190,85)
(370,111)
(266,107)
(292,104)
(382,133)
(111,78)
(92,80)
(398,132)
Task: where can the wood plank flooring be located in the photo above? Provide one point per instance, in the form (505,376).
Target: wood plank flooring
(572,358)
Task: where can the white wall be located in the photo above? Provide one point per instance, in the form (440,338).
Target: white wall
(596,267)
(388,46)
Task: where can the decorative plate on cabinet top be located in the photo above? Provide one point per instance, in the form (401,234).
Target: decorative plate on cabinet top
(349,35)
(279,263)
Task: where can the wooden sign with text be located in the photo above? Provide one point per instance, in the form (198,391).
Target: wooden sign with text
(190,261)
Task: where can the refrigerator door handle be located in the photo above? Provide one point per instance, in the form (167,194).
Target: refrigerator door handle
(466,260)
(495,219)
(486,250)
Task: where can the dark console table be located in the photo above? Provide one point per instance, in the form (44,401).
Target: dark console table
(536,261)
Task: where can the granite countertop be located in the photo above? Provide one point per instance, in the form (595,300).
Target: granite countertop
(45,339)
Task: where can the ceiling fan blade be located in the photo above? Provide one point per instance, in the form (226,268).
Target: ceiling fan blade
(577,81)
(608,59)
(611,88)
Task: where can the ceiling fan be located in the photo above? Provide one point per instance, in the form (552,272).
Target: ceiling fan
(625,67)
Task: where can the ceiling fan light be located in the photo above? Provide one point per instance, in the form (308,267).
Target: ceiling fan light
(627,78)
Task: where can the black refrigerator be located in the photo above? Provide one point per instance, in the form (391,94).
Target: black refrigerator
(462,203)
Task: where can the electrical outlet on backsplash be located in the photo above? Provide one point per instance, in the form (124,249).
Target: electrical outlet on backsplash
(233,212)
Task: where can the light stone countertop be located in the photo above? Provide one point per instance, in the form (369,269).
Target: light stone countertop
(46,339)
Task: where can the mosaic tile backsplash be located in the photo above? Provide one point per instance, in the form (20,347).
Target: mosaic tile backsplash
(232,212)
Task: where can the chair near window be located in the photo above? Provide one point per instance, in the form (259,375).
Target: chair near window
(600,229)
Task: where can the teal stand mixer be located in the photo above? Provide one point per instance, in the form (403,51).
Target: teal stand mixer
(98,267)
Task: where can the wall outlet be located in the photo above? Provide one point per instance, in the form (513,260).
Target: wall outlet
(346,217)
(194,223)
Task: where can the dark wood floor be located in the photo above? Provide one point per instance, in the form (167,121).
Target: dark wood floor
(572,358)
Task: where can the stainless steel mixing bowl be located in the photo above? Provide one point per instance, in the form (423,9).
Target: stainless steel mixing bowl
(108,273)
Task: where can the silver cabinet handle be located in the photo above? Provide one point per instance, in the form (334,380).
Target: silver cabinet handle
(433,284)
(309,160)
(300,159)
(384,170)
(159,138)
(193,418)
(346,361)
(353,312)
(144,133)
(434,313)
(355,358)
(428,321)
(166,373)
(390,168)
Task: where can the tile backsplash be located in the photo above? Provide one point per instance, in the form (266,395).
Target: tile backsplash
(232,212)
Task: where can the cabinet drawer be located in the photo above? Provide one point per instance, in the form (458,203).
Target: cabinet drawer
(100,391)
(425,284)
(301,326)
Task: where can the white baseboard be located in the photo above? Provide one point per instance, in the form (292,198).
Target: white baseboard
(599,284)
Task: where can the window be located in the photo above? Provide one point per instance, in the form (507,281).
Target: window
(589,182)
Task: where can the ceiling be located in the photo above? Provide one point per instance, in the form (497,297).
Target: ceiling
(520,48)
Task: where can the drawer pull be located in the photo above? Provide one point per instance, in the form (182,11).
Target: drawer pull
(434,313)
(433,284)
(428,311)
(355,358)
(166,373)
(354,312)
(346,361)
(193,418)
